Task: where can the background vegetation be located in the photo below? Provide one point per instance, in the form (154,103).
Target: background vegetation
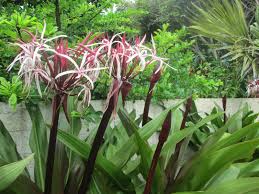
(200,69)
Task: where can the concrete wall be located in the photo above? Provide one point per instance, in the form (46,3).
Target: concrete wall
(19,123)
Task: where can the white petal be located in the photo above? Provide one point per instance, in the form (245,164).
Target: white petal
(38,84)
(89,79)
(66,73)
(65,56)
(43,31)
(17,58)
(53,38)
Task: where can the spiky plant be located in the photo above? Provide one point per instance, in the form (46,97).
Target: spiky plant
(225,21)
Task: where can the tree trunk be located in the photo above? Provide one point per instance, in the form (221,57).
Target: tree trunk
(57,14)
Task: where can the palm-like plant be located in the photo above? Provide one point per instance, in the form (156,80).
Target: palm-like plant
(222,20)
(225,21)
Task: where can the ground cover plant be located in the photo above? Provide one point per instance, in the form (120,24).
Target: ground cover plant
(226,159)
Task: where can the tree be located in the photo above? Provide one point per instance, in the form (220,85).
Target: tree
(159,12)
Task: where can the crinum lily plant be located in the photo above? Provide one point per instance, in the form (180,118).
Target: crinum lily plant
(64,71)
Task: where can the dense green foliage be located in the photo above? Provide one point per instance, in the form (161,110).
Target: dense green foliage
(77,20)
(161,12)
(178,50)
(206,76)
(221,154)
(183,77)
(12,91)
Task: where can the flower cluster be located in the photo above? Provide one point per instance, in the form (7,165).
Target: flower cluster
(125,61)
(253,88)
(73,71)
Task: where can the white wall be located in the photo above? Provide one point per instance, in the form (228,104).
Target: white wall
(19,124)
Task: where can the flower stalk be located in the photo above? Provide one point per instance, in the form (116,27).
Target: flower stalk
(52,142)
(96,146)
(153,81)
(224,104)
(172,166)
(162,139)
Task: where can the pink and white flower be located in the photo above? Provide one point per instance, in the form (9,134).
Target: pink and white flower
(74,70)
(125,61)
(60,68)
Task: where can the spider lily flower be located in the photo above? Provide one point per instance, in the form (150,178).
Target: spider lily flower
(61,69)
(126,60)
(62,48)
(253,88)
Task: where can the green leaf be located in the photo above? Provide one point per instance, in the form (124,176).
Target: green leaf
(177,118)
(218,122)
(75,122)
(115,137)
(75,127)
(129,148)
(146,158)
(38,143)
(60,169)
(83,149)
(22,185)
(8,149)
(132,165)
(249,168)
(237,136)
(12,101)
(100,184)
(10,172)
(215,137)
(207,165)
(177,136)
(238,186)
(250,119)
(75,175)
(228,174)
(126,121)
(16,86)
(5,83)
